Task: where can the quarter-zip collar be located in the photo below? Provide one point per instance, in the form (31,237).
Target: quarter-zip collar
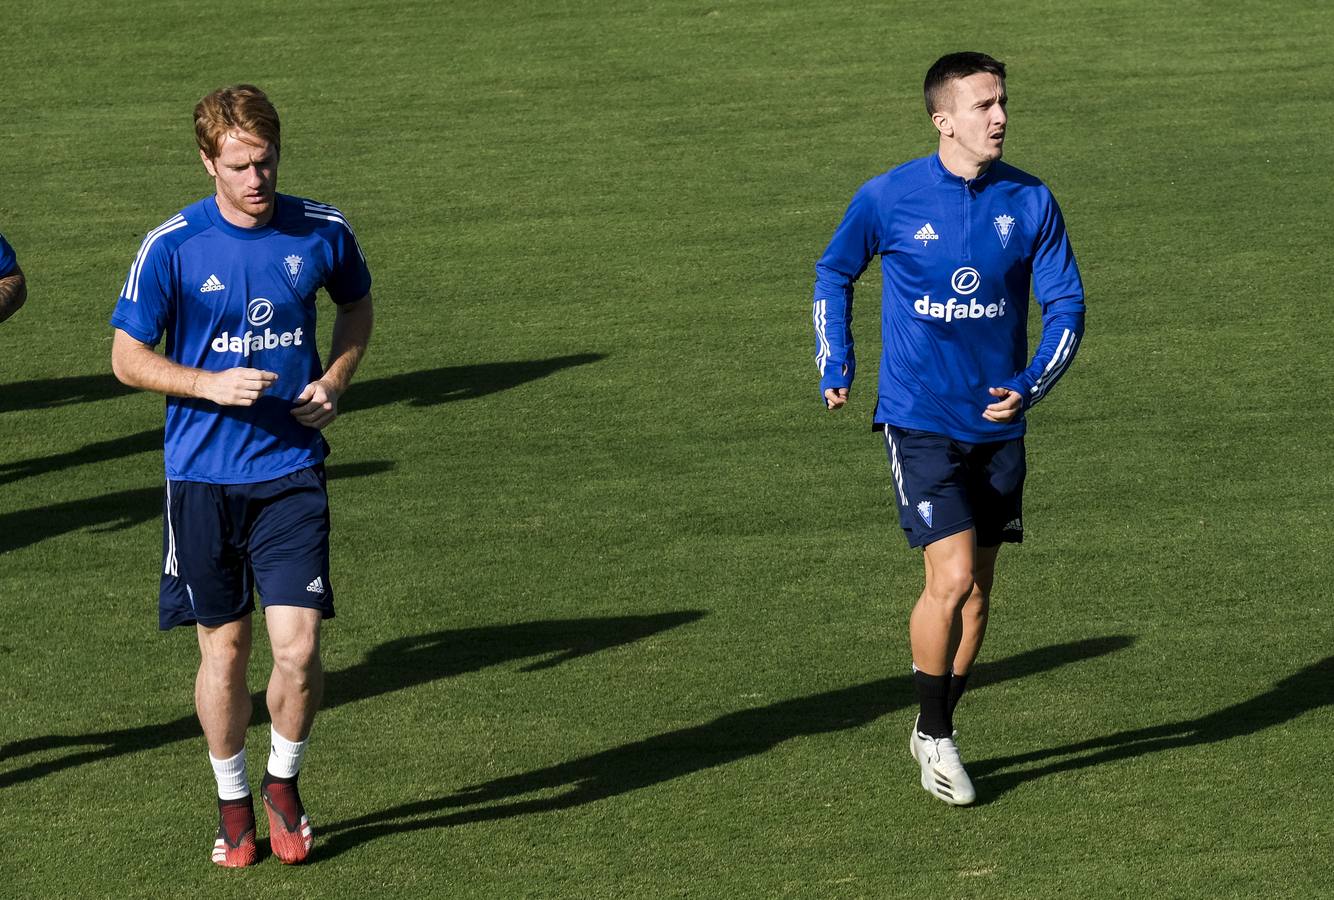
(974,184)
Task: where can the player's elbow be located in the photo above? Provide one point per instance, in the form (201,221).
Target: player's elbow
(13,293)
(121,370)
(124,362)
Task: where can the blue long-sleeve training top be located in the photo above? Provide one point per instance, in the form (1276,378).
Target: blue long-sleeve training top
(957,258)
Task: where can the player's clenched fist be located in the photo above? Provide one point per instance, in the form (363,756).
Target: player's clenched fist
(317,405)
(235,387)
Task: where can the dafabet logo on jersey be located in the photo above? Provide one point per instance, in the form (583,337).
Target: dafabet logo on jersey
(965,280)
(259,313)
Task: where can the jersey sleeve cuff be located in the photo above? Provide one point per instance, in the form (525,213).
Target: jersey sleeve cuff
(139,334)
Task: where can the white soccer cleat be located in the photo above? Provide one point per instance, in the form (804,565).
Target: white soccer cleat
(943,773)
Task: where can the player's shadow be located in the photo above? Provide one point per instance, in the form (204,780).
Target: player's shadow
(675,754)
(1308,689)
(44,393)
(100,451)
(442,385)
(116,511)
(389,667)
(425,388)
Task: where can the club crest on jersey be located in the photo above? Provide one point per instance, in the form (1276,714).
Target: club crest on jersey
(1004,227)
(292,266)
(924,510)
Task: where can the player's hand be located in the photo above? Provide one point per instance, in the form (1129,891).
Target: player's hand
(234,387)
(317,405)
(834,398)
(1007,406)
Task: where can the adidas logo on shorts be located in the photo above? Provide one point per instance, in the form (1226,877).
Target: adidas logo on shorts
(316,586)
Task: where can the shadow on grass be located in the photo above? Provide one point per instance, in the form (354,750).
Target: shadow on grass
(683,752)
(1308,689)
(434,386)
(100,451)
(116,511)
(44,393)
(390,667)
(426,388)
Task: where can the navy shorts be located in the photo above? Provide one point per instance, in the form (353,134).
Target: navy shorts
(943,486)
(222,542)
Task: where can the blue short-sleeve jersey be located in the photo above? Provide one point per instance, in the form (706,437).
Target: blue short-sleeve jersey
(8,260)
(958,259)
(225,296)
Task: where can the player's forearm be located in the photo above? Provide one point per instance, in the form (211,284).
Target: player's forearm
(835,274)
(834,355)
(351,336)
(13,291)
(139,366)
(1062,332)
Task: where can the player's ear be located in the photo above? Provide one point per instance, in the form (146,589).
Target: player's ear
(208,164)
(943,124)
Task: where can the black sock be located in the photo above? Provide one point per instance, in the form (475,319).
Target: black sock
(933,695)
(957,685)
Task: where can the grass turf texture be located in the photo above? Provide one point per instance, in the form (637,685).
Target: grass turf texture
(622,611)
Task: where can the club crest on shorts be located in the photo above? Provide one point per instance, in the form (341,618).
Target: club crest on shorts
(1004,227)
(924,510)
(292,266)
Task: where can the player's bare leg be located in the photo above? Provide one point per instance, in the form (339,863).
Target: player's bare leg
(296,688)
(935,625)
(222,699)
(937,631)
(296,685)
(222,702)
(976,608)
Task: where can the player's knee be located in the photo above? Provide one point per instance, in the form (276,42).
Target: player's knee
(298,659)
(226,645)
(950,587)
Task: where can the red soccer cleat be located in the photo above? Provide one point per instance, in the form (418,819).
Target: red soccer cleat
(290,834)
(234,846)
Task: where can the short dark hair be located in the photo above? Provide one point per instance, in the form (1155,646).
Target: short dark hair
(952,66)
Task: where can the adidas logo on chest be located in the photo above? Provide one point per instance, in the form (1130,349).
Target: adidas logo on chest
(926,233)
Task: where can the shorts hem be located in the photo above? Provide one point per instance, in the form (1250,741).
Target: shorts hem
(326,609)
(940,534)
(206,621)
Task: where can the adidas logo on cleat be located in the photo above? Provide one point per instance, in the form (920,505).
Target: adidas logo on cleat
(316,586)
(213,284)
(926,233)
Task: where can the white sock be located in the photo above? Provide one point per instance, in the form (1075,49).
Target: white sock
(284,755)
(230,773)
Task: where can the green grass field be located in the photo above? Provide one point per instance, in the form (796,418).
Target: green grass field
(622,610)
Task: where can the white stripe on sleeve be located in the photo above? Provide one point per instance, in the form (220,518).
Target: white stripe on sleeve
(131,291)
(1055,369)
(819,317)
(330,214)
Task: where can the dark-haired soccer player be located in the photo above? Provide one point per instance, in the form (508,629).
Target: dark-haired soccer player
(960,235)
(13,286)
(230,281)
